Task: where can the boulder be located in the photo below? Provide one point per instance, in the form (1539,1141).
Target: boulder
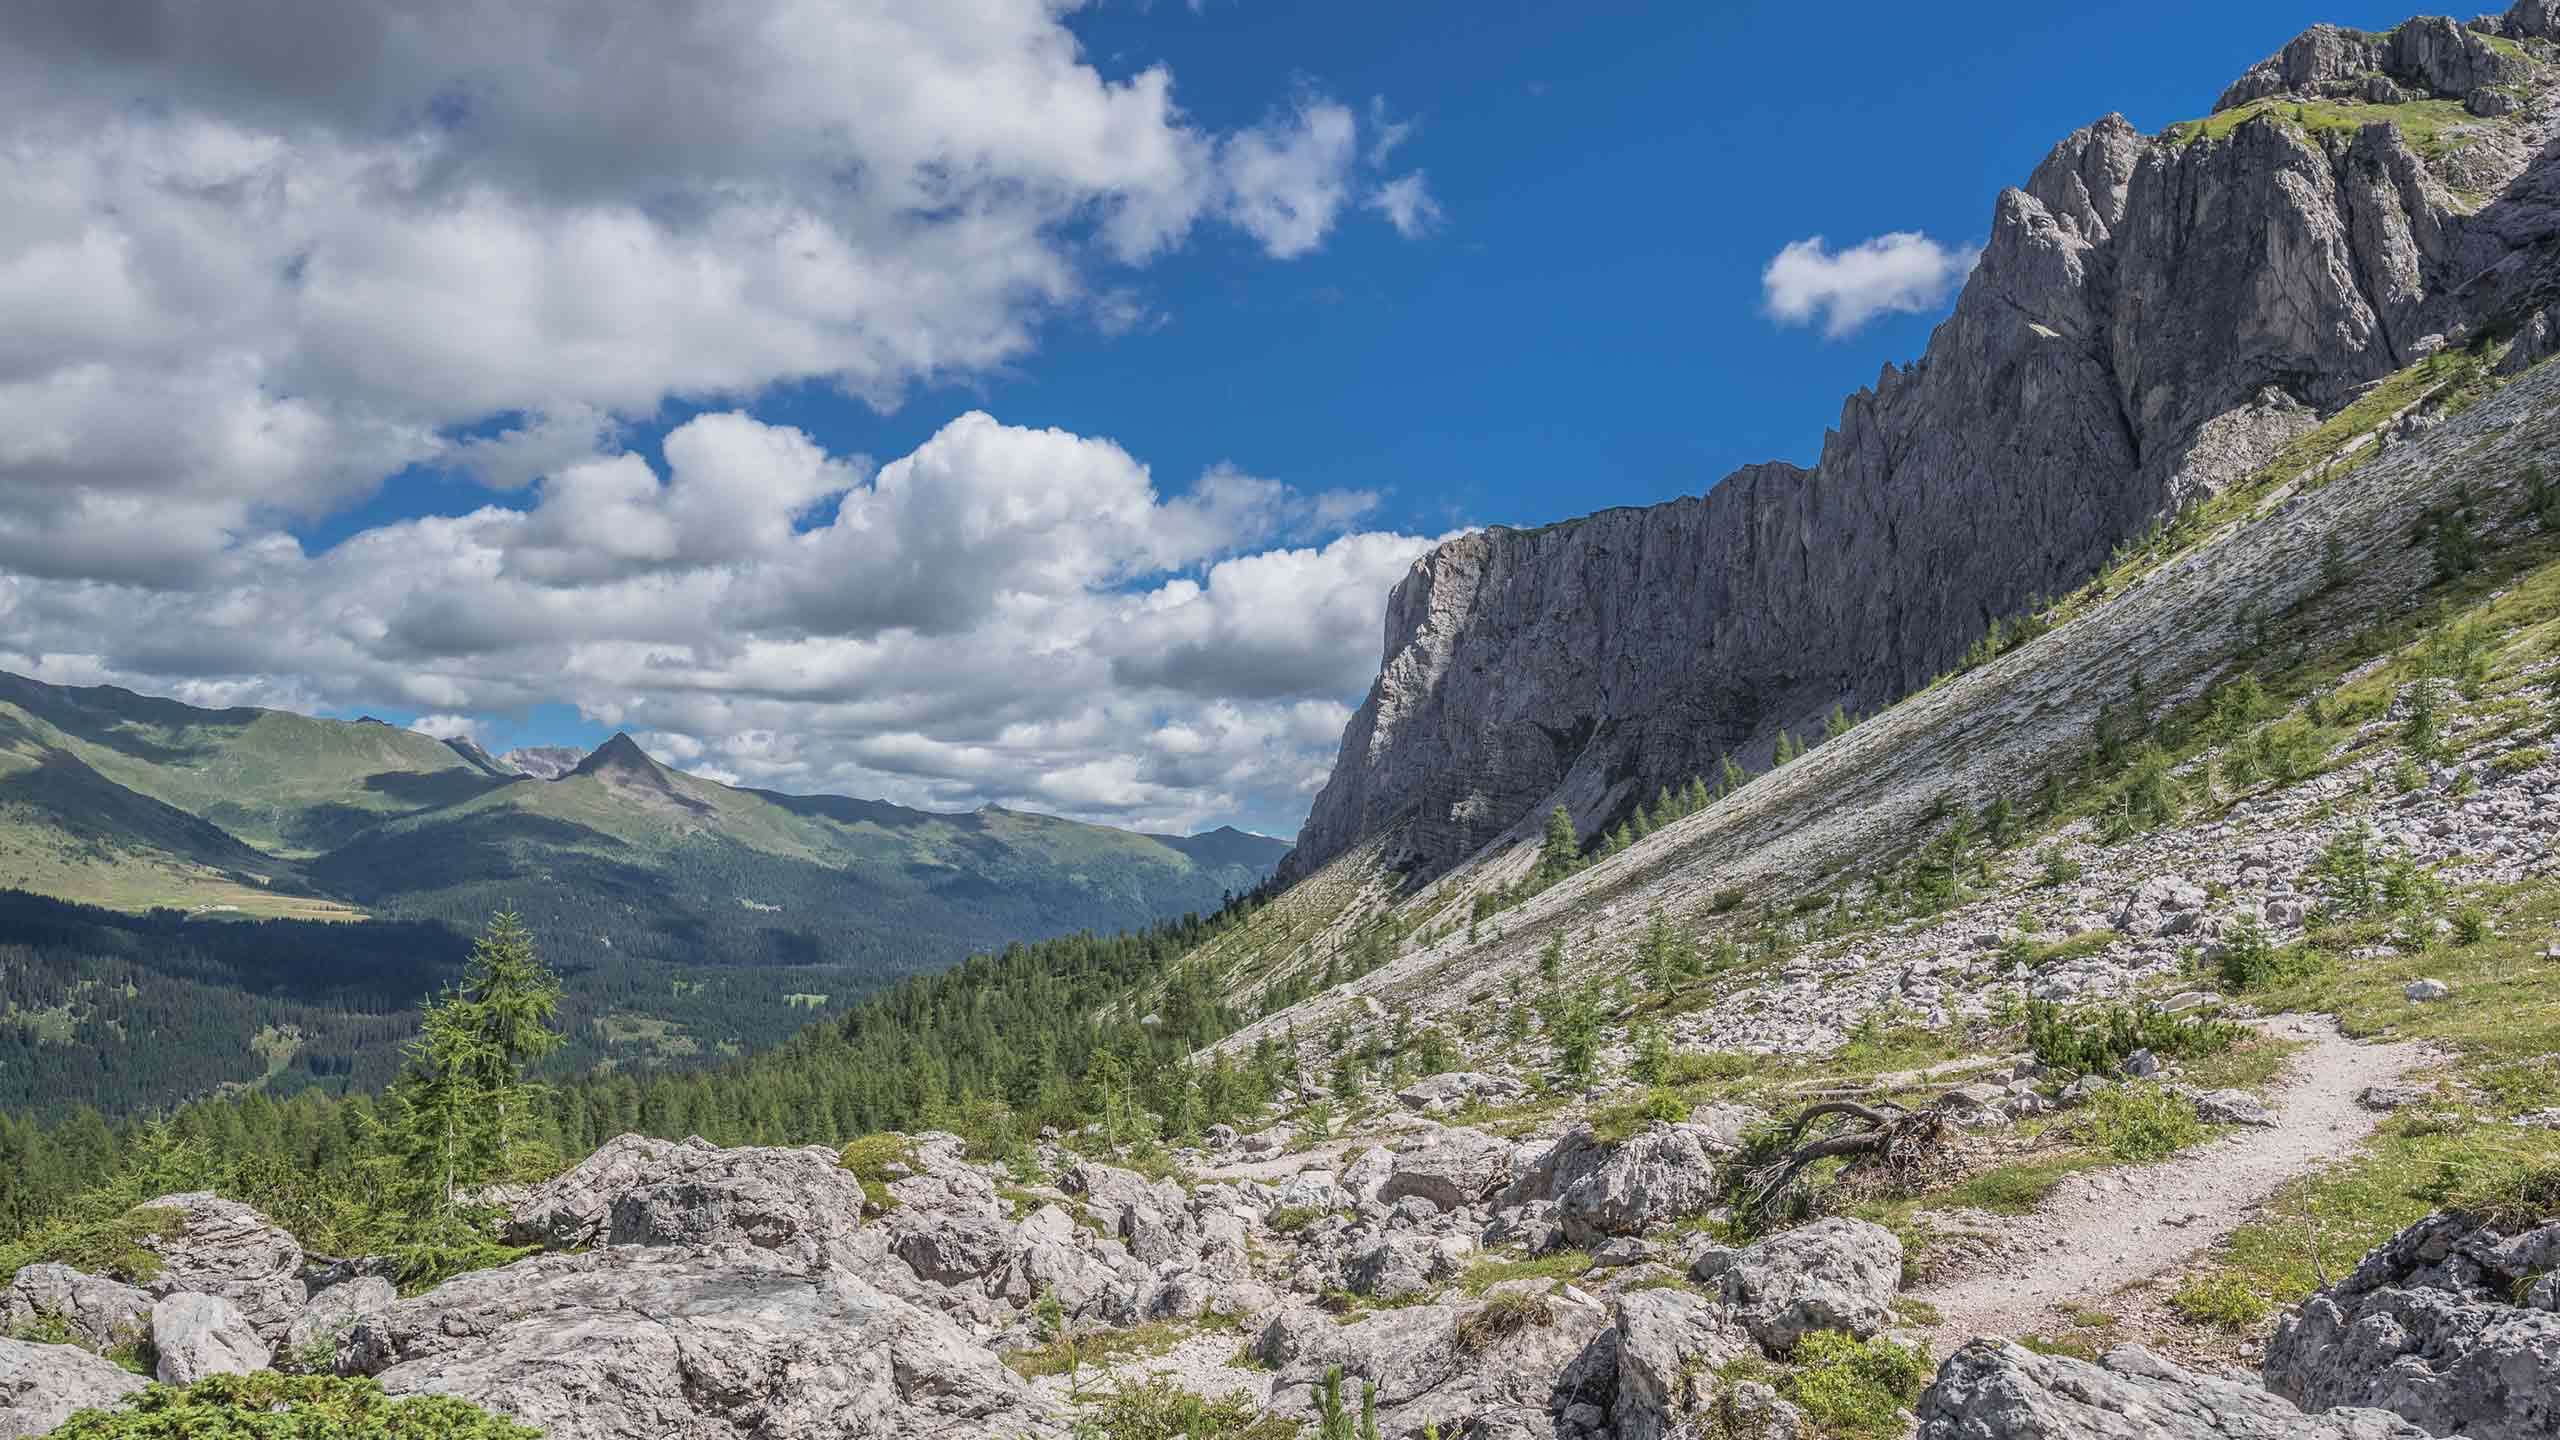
(1992,1390)
(1454,1168)
(722,1342)
(41,1385)
(1445,1366)
(200,1335)
(100,1314)
(332,1314)
(2391,1095)
(2422,991)
(2228,1107)
(1670,1344)
(1834,1274)
(1545,1170)
(1665,1174)
(2450,1324)
(1395,1266)
(1458,1089)
(1753,1411)
(1368,1173)
(218,1247)
(639,1191)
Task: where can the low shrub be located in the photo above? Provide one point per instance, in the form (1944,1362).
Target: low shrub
(1290,1219)
(1158,1409)
(1501,1317)
(2222,1300)
(2098,1039)
(875,1160)
(1855,1389)
(269,1406)
(2142,1123)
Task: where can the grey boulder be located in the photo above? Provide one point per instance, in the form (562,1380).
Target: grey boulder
(1670,1344)
(43,1385)
(333,1313)
(1456,1089)
(100,1314)
(1834,1274)
(640,1191)
(1662,1175)
(1454,1168)
(218,1247)
(1443,1366)
(1991,1390)
(2452,1324)
(718,1343)
(200,1335)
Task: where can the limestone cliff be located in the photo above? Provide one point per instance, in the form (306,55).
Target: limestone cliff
(2151,318)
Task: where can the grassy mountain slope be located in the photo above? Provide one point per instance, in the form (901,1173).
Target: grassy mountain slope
(290,785)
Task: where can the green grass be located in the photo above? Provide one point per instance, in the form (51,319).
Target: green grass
(2430,125)
(1854,1389)
(2141,1124)
(873,1159)
(1099,1348)
(2222,1299)
(1157,1409)
(1501,1317)
(1488,1272)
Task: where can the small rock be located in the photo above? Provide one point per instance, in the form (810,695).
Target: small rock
(2393,1095)
(2422,991)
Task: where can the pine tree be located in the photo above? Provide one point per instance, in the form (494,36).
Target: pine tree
(464,1104)
(1694,798)
(1836,724)
(1788,749)
(1731,776)
(1551,959)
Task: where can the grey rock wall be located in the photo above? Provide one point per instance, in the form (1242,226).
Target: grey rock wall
(2150,320)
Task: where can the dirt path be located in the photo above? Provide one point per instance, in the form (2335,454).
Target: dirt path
(2107,1229)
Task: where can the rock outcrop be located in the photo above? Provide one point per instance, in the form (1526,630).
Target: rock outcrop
(99,1314)
(1834,1274)
(41,1385)
(2149,320)
(222,1248)
(2451,1324)
(1995,1391)
(712,1343)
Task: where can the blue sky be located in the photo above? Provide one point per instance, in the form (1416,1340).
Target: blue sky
(1584,325)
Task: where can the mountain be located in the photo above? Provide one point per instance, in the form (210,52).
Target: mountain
(690,917)
(2153,320)
(542,762)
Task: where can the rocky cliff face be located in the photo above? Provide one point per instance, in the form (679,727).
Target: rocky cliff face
(2151,319)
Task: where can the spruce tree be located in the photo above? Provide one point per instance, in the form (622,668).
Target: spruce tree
(1788,749)
(1731,776)
(1836,724)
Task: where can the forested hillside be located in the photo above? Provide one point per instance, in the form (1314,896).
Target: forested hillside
(172,868)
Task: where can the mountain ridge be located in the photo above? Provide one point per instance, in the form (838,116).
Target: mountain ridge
(2111,362)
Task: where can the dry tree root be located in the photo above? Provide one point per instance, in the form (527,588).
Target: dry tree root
(1888,1148)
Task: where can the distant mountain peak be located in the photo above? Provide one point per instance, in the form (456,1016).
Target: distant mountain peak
(623,755)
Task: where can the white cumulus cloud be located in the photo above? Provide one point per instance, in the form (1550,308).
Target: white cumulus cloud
(1905,272)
